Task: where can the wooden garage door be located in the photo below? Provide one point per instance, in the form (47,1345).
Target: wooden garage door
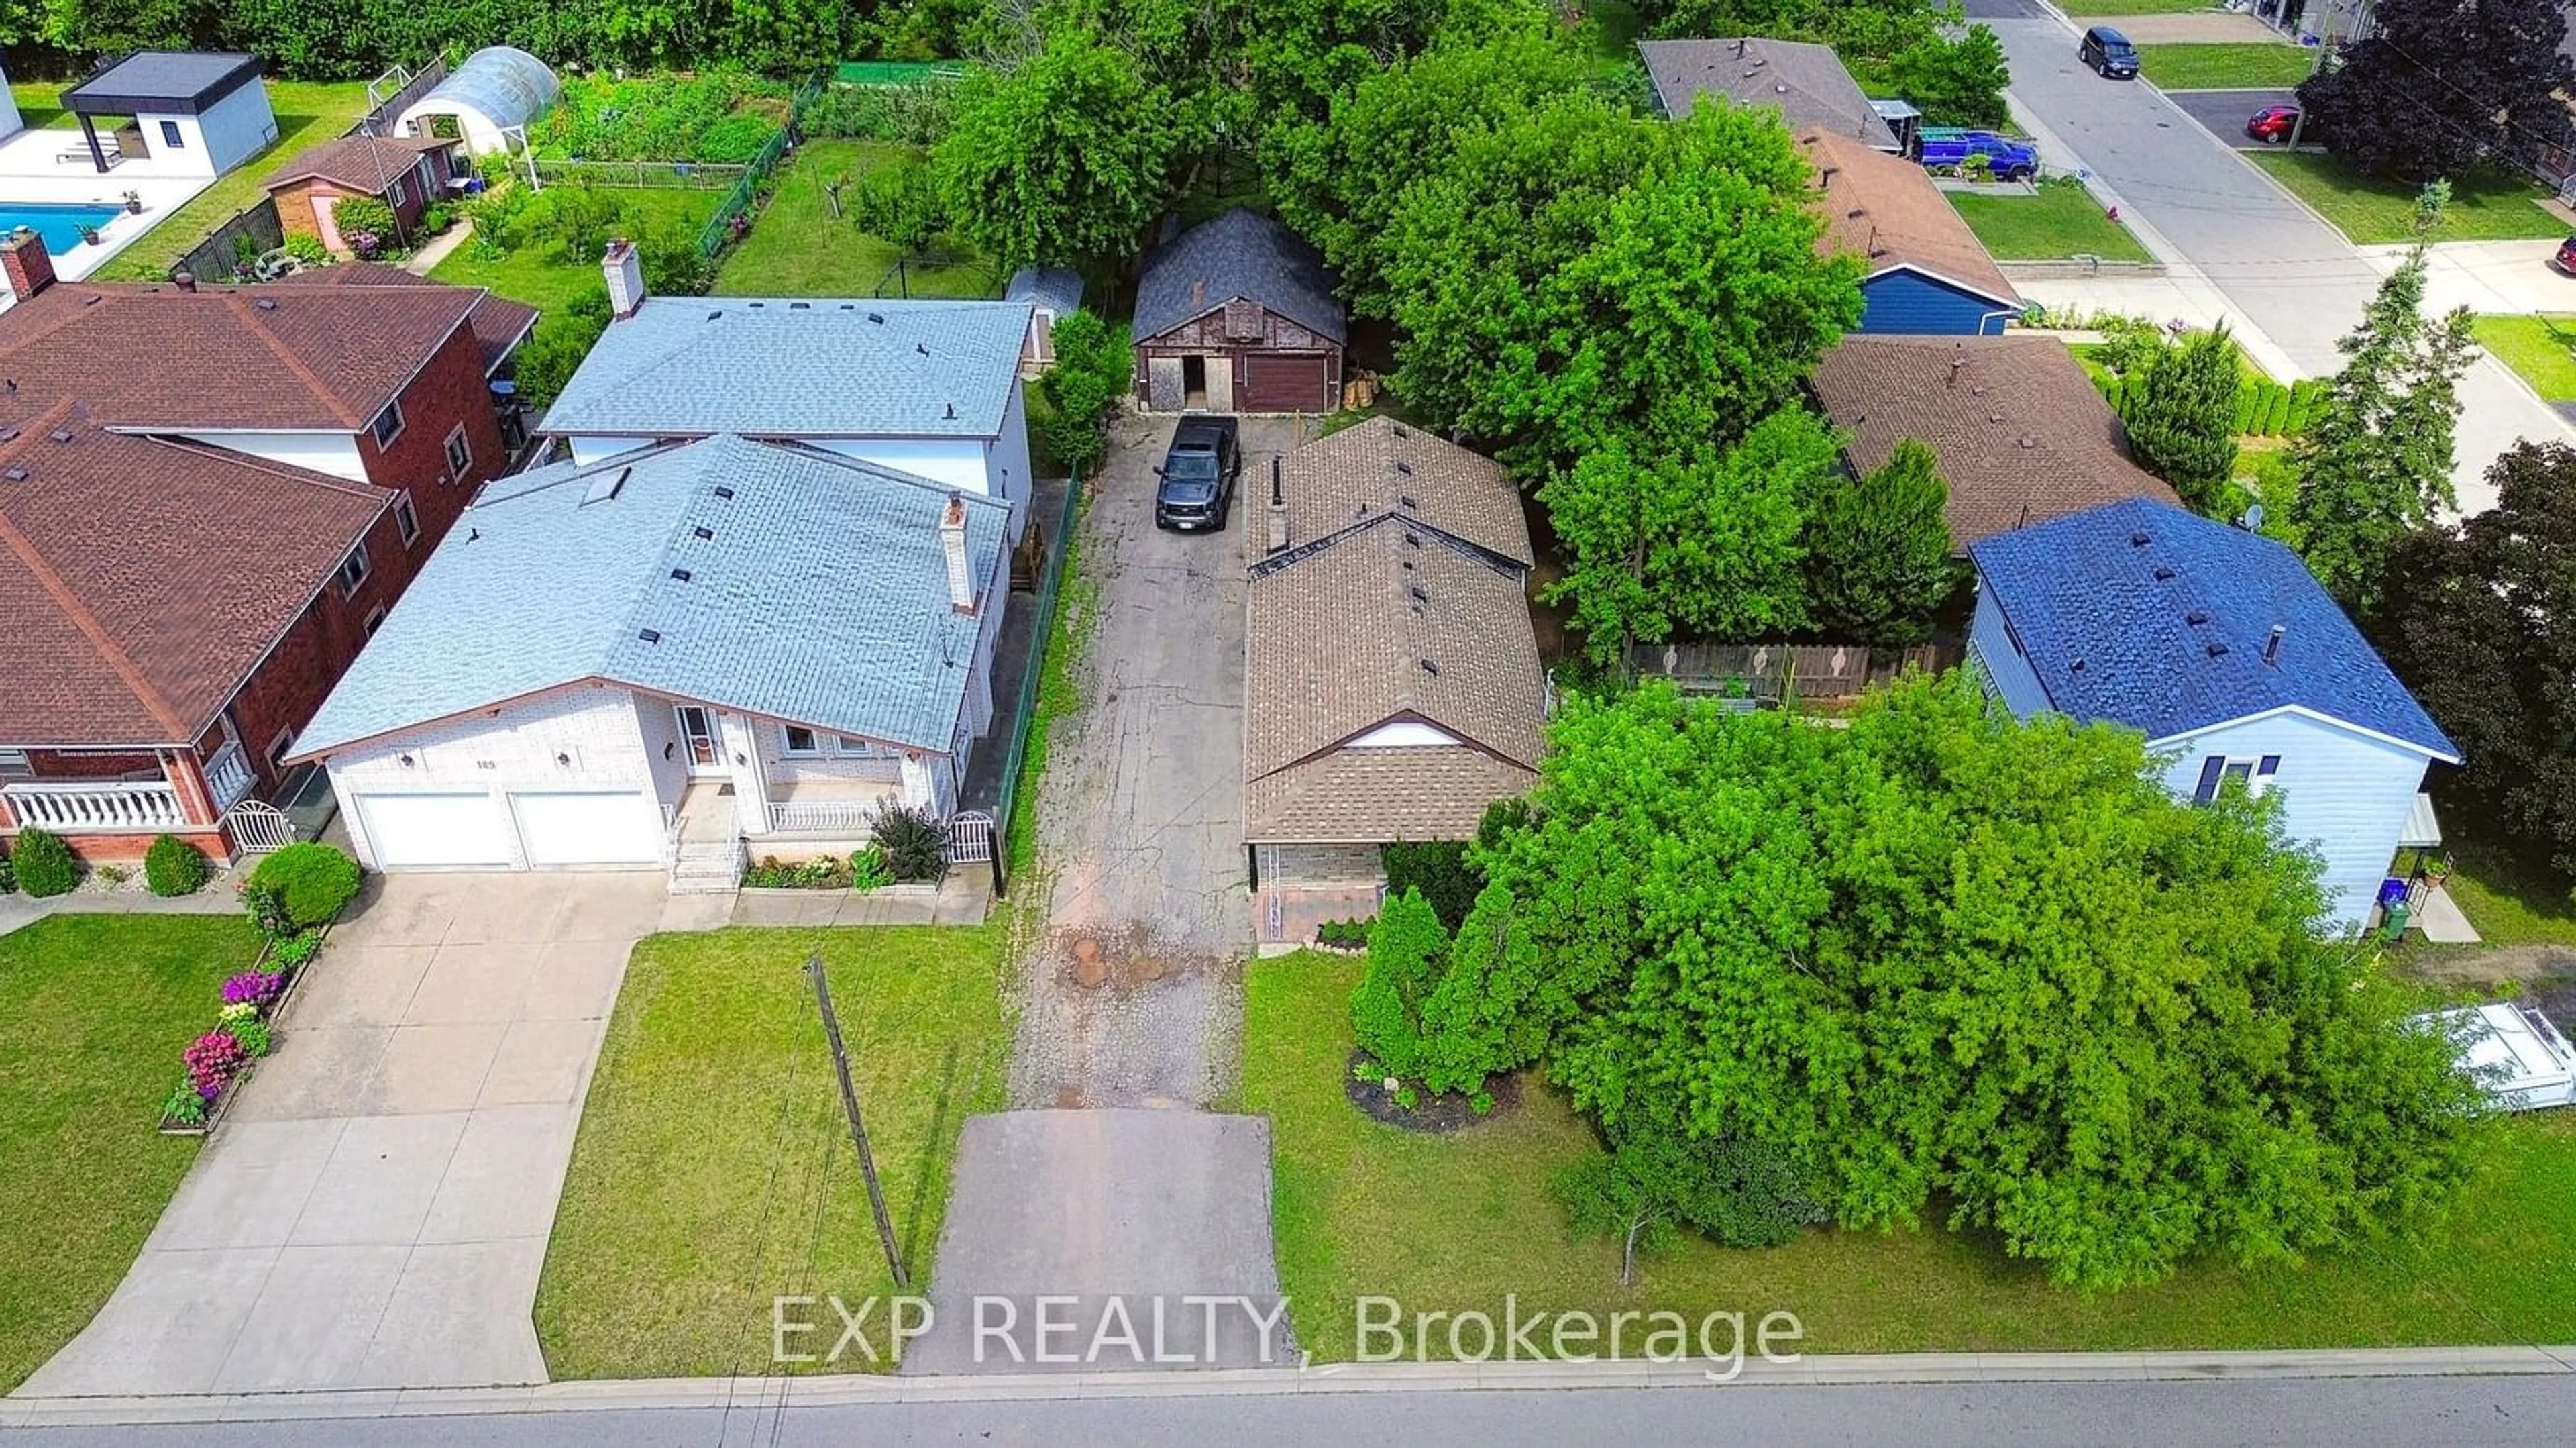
(1284,382)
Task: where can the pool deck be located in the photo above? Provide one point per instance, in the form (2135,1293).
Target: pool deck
(33,172)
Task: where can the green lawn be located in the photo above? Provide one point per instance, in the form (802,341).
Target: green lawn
(2063,220)
(308,113)
(2482,208)
(40,103)
(2094,9)
(714,1169)
(100,1006)
(1613,30)
(797,248)
(2536,348)
(1454,1223)
(2249,65)
(2509,901)
(542,275)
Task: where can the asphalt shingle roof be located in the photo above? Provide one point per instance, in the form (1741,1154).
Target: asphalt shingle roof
(2021,434)
(1373,469)
(1886,211)
(819,595)
(1239,254)
(1806,83)
(2159,619)
(798,367)
(365,163)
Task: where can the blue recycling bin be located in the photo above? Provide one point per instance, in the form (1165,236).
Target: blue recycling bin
(2391,890)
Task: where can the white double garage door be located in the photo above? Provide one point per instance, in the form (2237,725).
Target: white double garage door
(512,830)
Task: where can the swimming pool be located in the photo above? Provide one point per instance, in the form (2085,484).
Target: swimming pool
(59,224)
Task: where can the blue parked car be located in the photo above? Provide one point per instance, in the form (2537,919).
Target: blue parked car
(1947,148)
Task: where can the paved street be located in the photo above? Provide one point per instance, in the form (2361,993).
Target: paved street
(2506,1412)
(374,1210)
(2280,269)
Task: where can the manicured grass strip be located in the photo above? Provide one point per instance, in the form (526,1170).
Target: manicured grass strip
(308,113)
(2367,210)
(1453,1223)
(2246,65)
(2095,9)
(797,248)
(2536,348)
(100,1006)
(2061,221)
(40,103)
(543,276)
(714,1170)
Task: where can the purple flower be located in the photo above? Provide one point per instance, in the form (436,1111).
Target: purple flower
(253,987)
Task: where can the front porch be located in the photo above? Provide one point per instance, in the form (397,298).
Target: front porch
(110,814)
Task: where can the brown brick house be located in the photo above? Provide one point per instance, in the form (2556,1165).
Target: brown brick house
(407,173)
(208,497)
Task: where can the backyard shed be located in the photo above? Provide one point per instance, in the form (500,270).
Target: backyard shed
(497,88)
(407,173)
(1238,315)
(189,112)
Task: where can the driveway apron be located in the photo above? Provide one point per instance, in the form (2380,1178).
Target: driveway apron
(373,1211)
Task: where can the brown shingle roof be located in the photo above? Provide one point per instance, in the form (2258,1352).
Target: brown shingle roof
(1805,82)
(1370,470)
(1336,647)
(2021,434)
(500,324)
(362,163)
(141,580)
(155,357)
(1884,210)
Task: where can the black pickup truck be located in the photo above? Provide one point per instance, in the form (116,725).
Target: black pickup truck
(1198,475)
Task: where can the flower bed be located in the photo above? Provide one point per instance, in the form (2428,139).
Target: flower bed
(863,869)
(285,905)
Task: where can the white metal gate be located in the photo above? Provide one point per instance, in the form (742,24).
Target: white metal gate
(970,837)
(257,827)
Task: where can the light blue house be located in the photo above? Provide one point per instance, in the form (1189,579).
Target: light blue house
(2221,647)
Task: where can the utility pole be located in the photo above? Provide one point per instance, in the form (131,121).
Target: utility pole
(858,1127)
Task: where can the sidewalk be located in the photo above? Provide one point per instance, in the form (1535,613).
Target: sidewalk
(2485,276)
(214,898)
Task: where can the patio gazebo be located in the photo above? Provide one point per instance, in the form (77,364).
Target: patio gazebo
(193,112)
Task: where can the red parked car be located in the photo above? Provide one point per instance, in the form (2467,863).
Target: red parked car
(2565,257)
(2272,125)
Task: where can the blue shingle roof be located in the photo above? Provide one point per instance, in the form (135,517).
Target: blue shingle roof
(2156,618)
(798,367)
(819,595)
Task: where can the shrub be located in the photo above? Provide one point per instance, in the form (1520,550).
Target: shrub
(308,250)
(900,202)
(1093,368)
(914,845)
(1349,934)
(174,867)
(917,113)
(2246,399)
(868,868)
(213,1059)
(8,872)
(258,989)
(1407,948)
(295,950)
(45,865)
(436,217)
(251,1034)
(186,1107)
(1437,868)
(314,881)
(362,213)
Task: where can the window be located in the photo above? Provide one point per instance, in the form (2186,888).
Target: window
(460,453)
(406,522)
(2217,771)
(277,747)
(375,620)
(388,424)
(856,748)
(171,137)
(14,764)
(353,571)
(801,740)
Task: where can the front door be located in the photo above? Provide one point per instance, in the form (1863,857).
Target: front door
(698,736)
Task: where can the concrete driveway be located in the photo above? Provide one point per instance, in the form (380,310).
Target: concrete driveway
(374,1211)
(2223,113)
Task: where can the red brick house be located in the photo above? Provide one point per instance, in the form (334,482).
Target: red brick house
(406,173)
(209,496)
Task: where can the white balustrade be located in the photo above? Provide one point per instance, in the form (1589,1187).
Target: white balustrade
(95,808)
(228,777)
(850,817)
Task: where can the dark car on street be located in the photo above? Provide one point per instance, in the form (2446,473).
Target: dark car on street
(2273,125)
(1198,475)
(2109,53)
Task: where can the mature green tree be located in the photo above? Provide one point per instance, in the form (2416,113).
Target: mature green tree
(2376,461)
(1093,367)
(1946,955)
(1576,277)
(1707,544)
(1920,49)
(1405,951)
(1063,159)
(1878,550)
(2476,620)
(1653,1180)
(1337,179)
(1955,81)
(2181,417)
(2441,87)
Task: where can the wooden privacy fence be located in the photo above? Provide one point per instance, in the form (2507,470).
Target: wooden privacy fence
(1774,673)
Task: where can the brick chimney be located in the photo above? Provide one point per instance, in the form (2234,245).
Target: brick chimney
(952,546)
(625,271)
(29,266)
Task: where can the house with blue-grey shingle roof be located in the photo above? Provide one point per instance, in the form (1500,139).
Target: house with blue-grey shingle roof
(928,387)
(2222,648)
(1237,314)
(671,654)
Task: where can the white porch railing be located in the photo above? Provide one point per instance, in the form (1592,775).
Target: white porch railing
(851,817)
(228,777)
(95,808)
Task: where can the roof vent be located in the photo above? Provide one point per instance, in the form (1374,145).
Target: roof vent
(756,306)
(8,434)
(1421,594)
(2164,575)
(1994,417)
(1431,668)
(718,312)
(15,475)
(2140,539)
(800,306)
(921,347)
(265,304)
(1405,501)
(1399,429)
(2217,650)
(2075,666)
(60,434)
(1404,467)
(605,486)
(877,317)
(679,575)
(2272,645)
(703,532)
(651,635)
(951,414)
(724,491)
(849,306)
(1412,540)
(2196,617)
(2029,442)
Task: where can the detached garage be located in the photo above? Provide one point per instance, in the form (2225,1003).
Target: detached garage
(1238,315)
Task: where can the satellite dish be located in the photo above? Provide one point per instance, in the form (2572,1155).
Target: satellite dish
(2252,522)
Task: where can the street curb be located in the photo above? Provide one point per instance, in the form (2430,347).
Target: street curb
(770,1394)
